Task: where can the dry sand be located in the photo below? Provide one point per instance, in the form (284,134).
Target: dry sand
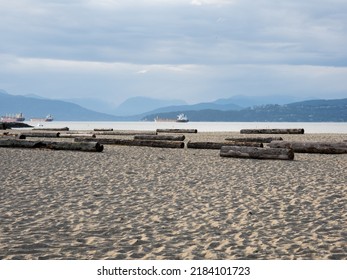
(154,203)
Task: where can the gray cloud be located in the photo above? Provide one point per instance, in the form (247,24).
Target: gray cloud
(197,50)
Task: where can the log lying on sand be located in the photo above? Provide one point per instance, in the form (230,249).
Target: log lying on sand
(273,131)
(42,134)
(256,153)
(218,145)
(134,142)
(177,130)
(12,136)
(52,129)
(160,137)
(74,135)
(103,129)
(255,139)
(312,147)
(125,133)
(72,146)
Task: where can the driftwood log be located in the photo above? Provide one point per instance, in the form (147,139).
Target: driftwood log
(103,129)
(42,134)
(125,133)
(177,130)
(134,142)
(52,129)
(273,131)
(85,147)
(12,136)
(160,137)
(219,145)
(312,147)
(256,153)
(255,139)
(74,135)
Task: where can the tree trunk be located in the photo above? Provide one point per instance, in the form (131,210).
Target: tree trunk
(218,145)
(160,137)
(125,133)
(255,139)
(42,134)
(12,136)
(273,131)
(53,129)
(312,147)
(130,142)
(103,129)
(74,135)
(177,130)
(256,153)
(85,147)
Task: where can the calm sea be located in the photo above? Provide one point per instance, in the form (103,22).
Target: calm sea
(329,127)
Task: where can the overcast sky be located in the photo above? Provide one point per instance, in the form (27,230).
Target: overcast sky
(196,50)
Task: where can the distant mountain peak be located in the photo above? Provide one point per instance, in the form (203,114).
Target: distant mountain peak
(141,104)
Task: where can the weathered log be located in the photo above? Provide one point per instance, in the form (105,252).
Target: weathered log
(12,136)
(255,139)
(312,147)
(52,129)
(134,142)
(74,135)
(103,129)
(218,145)
(273,131)
(125,133)
(160,137)
(42,134)
(256,153)
(177,130)
(85,147)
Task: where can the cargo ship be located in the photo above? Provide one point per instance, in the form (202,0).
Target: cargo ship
(48,118)
(13,118)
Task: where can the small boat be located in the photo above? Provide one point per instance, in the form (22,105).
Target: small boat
(182,118)
(48,118)
(13,118)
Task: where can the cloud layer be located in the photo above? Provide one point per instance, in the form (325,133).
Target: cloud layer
(196,50)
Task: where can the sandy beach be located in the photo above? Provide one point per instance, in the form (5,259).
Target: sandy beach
(156,203)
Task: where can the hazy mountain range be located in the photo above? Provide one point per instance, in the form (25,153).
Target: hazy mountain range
(38,107)
(236,108)
(140,105)
(334,110)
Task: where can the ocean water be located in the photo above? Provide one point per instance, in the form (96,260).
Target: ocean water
(309,127)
